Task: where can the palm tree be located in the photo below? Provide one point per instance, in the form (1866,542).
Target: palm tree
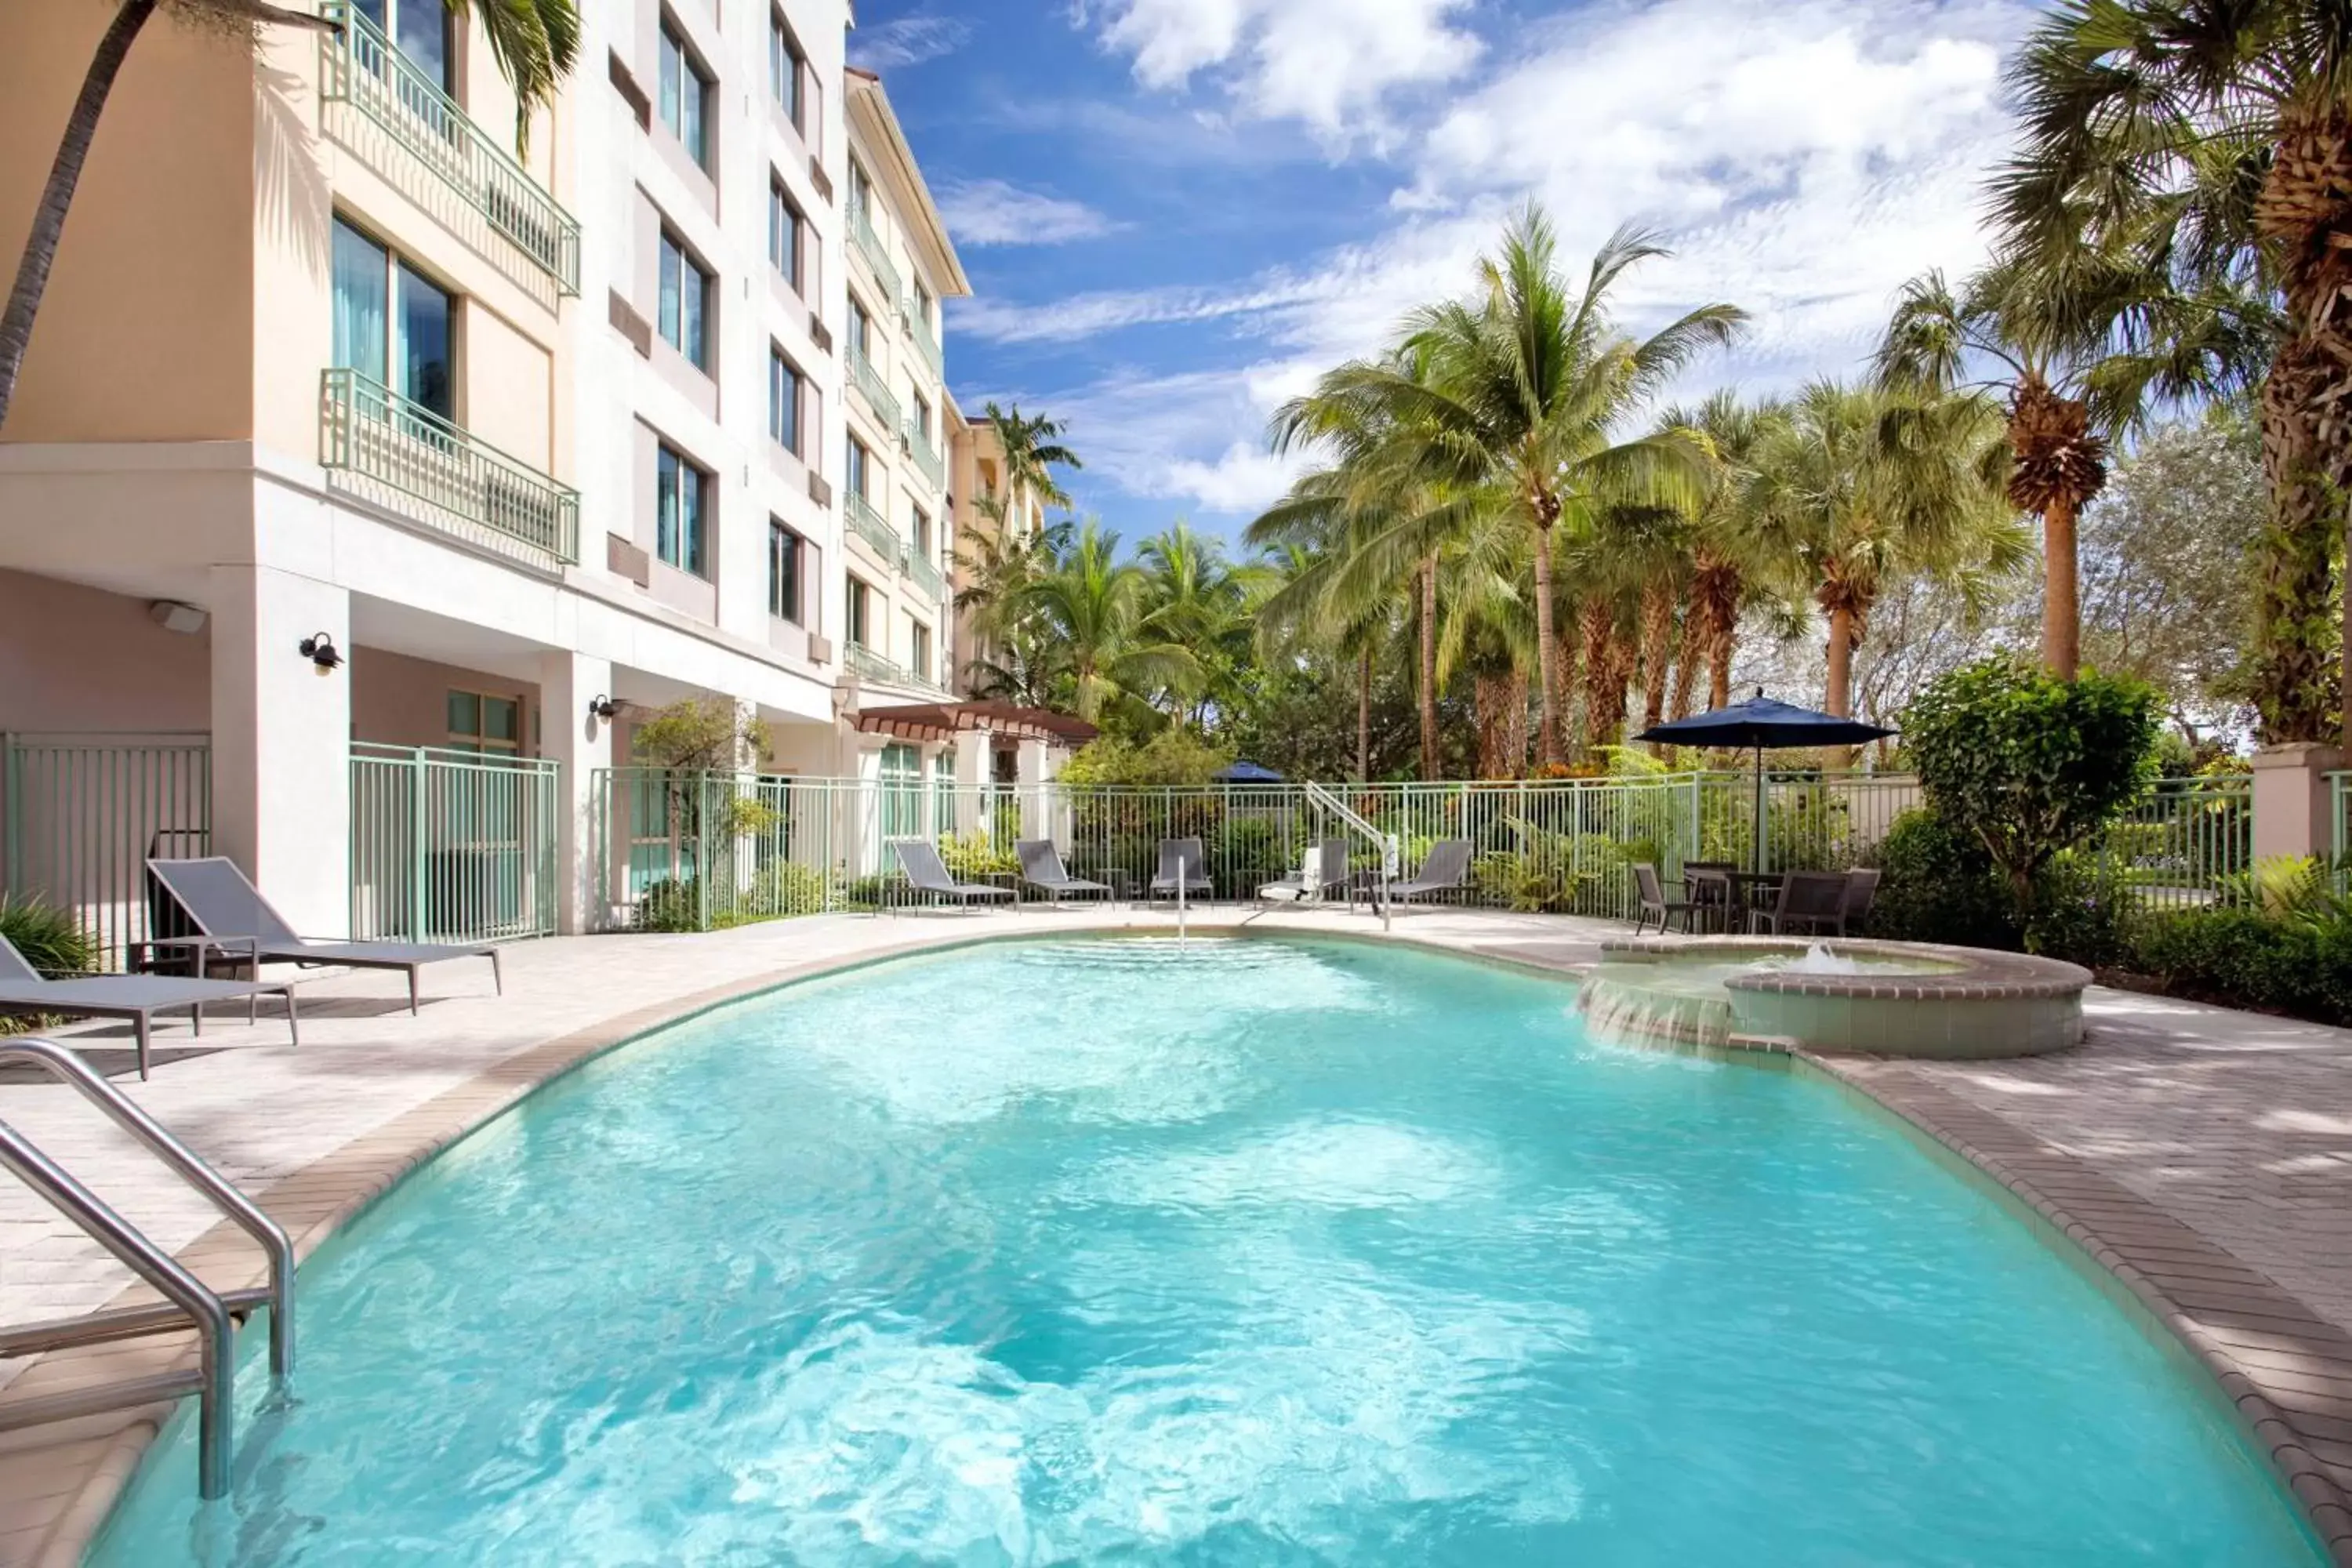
(1861,485)
(2179,175)
(1091,606)
(2068,396)
(1034,447)
(533,41)
(1198,600)
(1525,389)
(1731,551)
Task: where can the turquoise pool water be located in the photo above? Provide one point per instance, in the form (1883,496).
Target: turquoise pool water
(1256,1253)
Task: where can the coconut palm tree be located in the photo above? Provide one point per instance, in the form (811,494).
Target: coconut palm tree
(1731,552)
(533,41)
(1091,606)
(1861,486)
(1522,393)
(1198,600)
(1034,447)
(2181,176)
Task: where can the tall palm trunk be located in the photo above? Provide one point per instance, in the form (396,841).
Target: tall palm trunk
(2062,599)
(1515,725)
(1430,768)
(1492,694)
(1715,607)
(1657,638)
(1596,622)
(1687,673)
(1838,698)
(56,196)
(1548,727)
(1364,716)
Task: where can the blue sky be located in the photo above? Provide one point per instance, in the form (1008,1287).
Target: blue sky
(1176,212)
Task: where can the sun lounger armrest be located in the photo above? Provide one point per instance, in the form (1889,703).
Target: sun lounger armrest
(247,947)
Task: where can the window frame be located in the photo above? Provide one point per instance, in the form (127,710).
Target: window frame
(688,547)
(918,648)
(857,472)
(785,51)
(795,612)
(858,615)
(671,328)
(781,369)
(689,128)
(919,530)
(479,741)
(397,269)
(787,236)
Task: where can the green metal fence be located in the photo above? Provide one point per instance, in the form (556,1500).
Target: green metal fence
(454,845)
(2179,846)
(80,815)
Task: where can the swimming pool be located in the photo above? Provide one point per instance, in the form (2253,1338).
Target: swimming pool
(1253,1252)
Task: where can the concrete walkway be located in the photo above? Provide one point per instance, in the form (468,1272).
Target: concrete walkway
(2212,1149)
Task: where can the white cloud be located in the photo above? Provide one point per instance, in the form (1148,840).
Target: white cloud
(1801,161)
(907,41)
(994,211)
(1331,64)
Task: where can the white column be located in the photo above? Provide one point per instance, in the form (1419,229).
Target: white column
(972,781)
(582,743)
(282,741)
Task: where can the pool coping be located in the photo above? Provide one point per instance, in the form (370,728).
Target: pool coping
(2264,1349)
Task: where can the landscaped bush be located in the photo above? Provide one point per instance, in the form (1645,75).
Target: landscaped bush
(51,941)
(2244,958)
(672,904)
(787,888)
(1936,884)
(971,856)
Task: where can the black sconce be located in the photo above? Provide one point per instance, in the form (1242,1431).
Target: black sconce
(602,707)
(320,650)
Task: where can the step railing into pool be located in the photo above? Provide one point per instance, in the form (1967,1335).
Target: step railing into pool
(188,1302)
(1390,852)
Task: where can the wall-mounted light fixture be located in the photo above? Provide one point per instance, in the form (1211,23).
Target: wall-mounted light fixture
(320,650)
(174,616)
(602,707)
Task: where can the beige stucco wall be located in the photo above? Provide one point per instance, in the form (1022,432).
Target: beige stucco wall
(397,700)
(76,658)
(143,333)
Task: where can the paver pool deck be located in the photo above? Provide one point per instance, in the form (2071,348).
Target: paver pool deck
(2203,1156)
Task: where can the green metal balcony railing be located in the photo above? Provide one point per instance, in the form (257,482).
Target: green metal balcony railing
(359,66)
(867,665)
(926,577)
(926,457)
(925,344)
(371,431)
(869,524)
(869,246)
(865,376)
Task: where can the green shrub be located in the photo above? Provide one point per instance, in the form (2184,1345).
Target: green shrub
(969,856)
(672,904)
(2244,958)
(1175,757)
(1937,885)
(788,888)
(51,939)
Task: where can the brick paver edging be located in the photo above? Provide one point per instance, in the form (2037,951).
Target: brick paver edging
(2287,1374)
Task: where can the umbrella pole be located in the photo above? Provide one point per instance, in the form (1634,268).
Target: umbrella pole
(1756,846)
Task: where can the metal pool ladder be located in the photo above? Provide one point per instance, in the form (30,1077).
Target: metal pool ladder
(1321,798)
(188,1302)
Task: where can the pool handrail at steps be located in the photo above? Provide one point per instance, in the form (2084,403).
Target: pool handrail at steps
(1323,799)
(188,1302)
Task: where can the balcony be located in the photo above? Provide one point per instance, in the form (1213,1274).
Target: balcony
(413,460)
(864,376)
(869,246)
(926,457)
(925,573)
(869,525)
(925,344)
(359,66)
(867,665)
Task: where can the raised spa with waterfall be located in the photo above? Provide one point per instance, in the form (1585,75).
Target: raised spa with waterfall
(1895,999)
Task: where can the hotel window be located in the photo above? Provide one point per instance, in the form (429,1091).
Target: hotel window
(923,528)
(787,232)
(861,330)
(918,648)
(685,302)
(787,558)
(861,605)
(681,508)
(922,306)
(922,416)
(784,388)
(481,723)
(861,189)
(787,66)
(860,461)
(392,323)
(422,31)
(684,96)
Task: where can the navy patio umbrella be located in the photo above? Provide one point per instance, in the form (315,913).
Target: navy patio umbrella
(1247,773)
(1763,725)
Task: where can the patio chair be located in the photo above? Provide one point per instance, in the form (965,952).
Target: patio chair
(138,997)
(1183,863)
(1861,892)
(1324,867)
(1042,868)
(232,918)
(1714,891)
(1650,900)
(1444,869)
(927,873)
(1810,901)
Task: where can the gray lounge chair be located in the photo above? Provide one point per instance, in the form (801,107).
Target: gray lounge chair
(1330,863)
(926,873)
(1042,868)
(1183,863)
(1445,869)
(1810,903)
(236,922)
(138,997)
